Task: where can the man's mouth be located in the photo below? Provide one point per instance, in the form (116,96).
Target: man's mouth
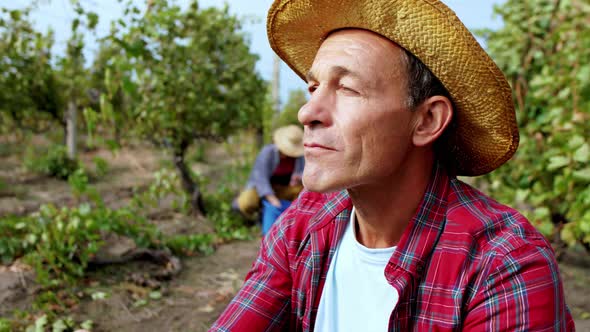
(317,146)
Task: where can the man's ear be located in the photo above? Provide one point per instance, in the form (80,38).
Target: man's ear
(434,116)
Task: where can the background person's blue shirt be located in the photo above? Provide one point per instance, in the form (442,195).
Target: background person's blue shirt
(266,162)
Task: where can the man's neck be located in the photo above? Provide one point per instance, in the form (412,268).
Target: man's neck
(384,210)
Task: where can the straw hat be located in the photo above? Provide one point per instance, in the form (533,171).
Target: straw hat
(485,135)
(289,140)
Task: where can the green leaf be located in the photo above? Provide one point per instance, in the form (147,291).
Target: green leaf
(98,296)
(542,213)
(39,325)
(140,303)
(15,15)
(582,154)
(84,209)
(576,142)
(582,175)
(155,295)
(87,325)
(128,86)
(92,20)
(75,24)
(31,238)
(59,326)
(546,228)
(567,235)
(557,162)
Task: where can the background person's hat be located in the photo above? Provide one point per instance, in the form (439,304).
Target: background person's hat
(289,140)
(485,135)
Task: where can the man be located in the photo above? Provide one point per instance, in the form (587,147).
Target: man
(385,238)
(275,179)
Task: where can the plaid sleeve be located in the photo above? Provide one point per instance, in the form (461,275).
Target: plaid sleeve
(263,302)
(523,292)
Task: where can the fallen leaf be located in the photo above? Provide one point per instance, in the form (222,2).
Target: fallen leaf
(207,309)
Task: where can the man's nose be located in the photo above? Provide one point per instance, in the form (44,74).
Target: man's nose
(316,112)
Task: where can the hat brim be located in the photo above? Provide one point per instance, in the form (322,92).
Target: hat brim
(485,135)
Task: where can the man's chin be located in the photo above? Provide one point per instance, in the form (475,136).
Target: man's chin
(317,186)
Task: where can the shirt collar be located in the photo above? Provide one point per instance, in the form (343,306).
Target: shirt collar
(422,232)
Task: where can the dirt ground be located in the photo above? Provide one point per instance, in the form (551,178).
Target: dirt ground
(192,300)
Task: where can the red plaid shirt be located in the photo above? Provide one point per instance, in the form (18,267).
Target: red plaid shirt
(465,262)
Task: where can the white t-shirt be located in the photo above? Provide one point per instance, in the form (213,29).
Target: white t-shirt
(356,295)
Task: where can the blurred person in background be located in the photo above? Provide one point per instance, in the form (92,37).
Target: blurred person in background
(275,179)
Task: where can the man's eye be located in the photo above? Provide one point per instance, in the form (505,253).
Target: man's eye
(347,89)
(312,88)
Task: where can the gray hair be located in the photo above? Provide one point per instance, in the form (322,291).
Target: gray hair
(422,84)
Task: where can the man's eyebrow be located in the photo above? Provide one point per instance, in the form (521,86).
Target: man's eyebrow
(336,71)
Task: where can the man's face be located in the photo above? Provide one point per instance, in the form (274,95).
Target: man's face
(358,129)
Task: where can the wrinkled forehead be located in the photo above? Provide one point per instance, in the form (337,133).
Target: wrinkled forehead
(359,52)
(364,38)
